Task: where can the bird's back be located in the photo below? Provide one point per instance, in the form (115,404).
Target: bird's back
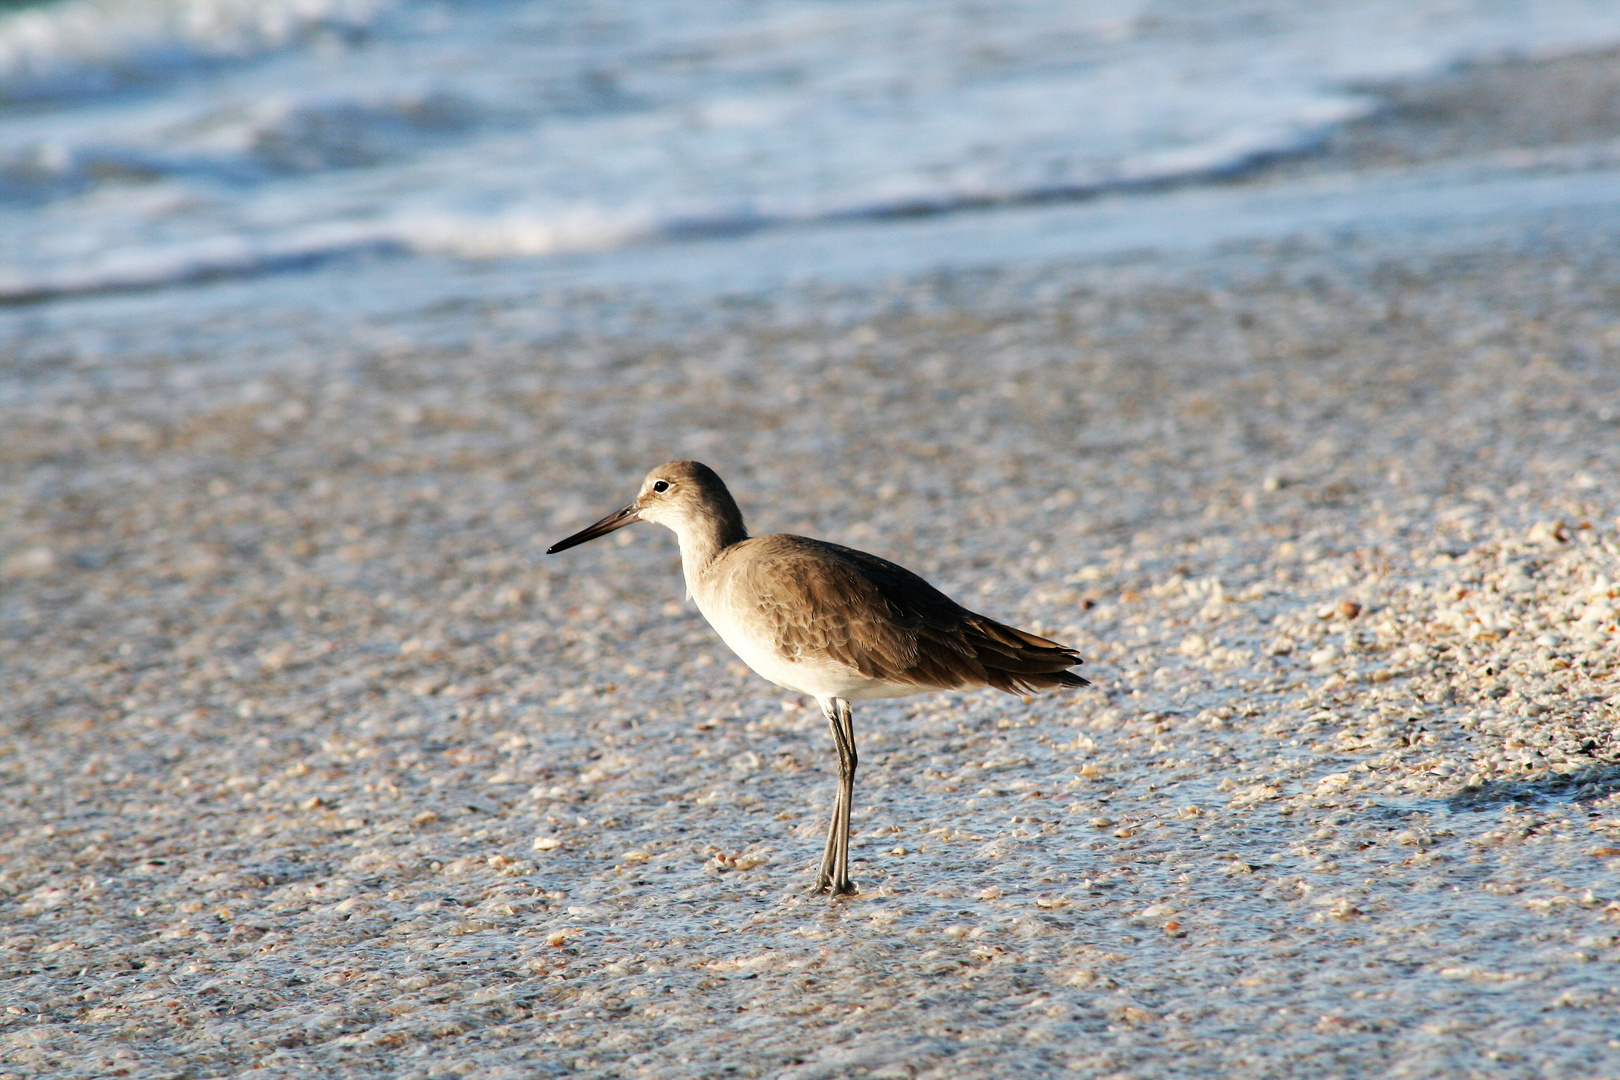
(832,621)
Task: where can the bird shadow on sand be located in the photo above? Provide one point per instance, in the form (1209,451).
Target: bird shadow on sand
(1587,785)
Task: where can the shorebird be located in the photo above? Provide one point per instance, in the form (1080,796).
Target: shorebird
(828,621)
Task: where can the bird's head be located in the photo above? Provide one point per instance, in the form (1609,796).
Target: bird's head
(679,495)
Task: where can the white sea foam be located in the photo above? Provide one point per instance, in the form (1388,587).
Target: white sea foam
(89,45)
(190,138)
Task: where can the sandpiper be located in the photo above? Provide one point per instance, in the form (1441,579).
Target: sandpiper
(829,621)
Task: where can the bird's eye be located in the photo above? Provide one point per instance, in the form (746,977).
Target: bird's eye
(661,485)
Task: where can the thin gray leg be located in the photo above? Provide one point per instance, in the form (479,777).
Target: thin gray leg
(829,855)
(847,760)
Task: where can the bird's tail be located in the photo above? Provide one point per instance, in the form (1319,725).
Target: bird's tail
(1019,662)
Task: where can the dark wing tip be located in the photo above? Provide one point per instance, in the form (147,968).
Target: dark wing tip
(1022,683)
(1020,662)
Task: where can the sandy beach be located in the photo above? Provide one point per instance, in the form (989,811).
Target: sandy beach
(315,764)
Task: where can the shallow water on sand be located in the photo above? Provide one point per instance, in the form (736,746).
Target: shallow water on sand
(167,140)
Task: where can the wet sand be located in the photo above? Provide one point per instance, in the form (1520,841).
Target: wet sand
(313,762)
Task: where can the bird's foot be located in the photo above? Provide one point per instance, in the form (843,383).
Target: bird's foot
(825,886)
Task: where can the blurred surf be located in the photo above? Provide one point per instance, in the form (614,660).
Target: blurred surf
(145,142)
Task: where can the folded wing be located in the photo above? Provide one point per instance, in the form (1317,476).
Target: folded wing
(826,603)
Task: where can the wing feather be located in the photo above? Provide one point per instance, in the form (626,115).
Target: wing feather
(822,602)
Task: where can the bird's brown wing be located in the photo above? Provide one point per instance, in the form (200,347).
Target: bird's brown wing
(821,601)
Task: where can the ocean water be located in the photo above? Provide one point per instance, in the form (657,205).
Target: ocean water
(150,142)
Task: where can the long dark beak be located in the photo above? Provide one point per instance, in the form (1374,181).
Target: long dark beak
(616,520)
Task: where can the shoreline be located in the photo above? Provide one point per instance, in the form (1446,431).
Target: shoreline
(1516,114)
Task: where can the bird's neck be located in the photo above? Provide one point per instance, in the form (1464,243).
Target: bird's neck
(702,542)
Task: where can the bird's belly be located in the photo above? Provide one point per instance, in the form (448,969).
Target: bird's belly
(820,679)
